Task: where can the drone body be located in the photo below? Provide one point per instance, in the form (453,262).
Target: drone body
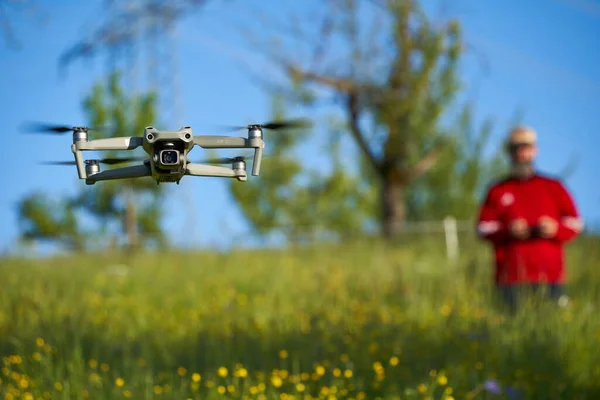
(167,153)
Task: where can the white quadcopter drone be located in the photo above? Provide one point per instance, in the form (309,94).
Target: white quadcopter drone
(167,152)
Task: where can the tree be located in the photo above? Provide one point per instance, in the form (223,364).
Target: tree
(130,205)
(49,220)
(302,203)
(404,79)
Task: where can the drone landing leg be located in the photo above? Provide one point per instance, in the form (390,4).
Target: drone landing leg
(135,171)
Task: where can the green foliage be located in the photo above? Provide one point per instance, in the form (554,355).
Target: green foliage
(302,202)
(466,166)
(422,83)
(362,320)
(41,218)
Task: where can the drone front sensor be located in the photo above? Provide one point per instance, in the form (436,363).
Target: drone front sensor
(166,158)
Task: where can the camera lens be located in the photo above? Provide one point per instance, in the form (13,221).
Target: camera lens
(169,157)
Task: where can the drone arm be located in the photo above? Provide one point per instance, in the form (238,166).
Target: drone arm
(229,142)
(221,142)
(119,143)
(134,171)
(212,170)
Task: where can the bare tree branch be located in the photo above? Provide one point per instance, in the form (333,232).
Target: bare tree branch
(345,86)
(116,32)
(426,163)
(7,7)
(353,111)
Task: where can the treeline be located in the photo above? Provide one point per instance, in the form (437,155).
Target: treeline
(416,151)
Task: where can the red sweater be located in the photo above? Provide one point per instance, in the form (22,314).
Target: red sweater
(534,260)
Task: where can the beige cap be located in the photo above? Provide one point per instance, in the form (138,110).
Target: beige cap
(522,134)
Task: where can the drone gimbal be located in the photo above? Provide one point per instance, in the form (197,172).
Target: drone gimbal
(167,153)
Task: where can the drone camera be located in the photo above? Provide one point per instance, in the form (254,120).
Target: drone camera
(168,154)
(169,157)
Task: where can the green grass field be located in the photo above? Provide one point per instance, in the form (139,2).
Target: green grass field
(360,321)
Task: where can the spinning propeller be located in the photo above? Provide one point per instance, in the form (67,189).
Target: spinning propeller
(276,125)
(107,161)
(224,160)
(41,127)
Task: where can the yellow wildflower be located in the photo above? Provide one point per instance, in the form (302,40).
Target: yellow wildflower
(276,381)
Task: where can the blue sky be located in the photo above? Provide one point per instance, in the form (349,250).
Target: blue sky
(543,57)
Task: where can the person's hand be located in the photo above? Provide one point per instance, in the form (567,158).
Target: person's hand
(519,229)
(548,227)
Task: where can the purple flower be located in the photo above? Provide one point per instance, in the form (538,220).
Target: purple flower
(492,386)
(513,393)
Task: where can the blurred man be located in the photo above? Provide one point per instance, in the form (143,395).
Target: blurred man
(528,217)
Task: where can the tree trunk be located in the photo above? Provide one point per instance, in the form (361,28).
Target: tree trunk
(393,206)
(130,221)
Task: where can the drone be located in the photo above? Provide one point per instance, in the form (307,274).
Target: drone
(167,158)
